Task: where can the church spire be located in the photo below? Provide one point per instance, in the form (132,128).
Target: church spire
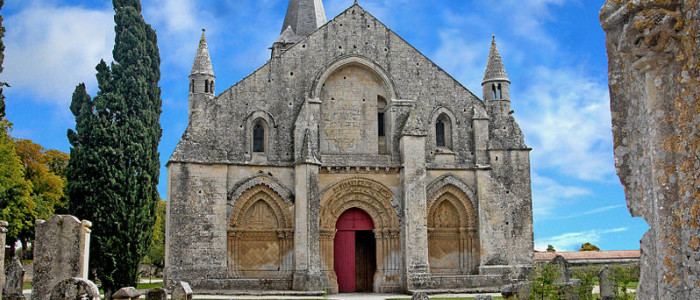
(304,17)
(202,62)
(495,71)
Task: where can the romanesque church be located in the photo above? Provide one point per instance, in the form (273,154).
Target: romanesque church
(349,162)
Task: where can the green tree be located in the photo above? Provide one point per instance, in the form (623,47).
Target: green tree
(114,166)
(156,254)
(550,248)
(542,282)
(40,167)
(16,206)
(589,247)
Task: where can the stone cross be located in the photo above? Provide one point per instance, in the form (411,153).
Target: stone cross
(75,289)
(15,278)
(61,250)
(3,231)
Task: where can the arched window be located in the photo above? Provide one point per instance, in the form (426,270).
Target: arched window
(206,86)
(211,86)
(381,125)
(500,92)
(192,86)
(493,89)
(443,131)
(258,138)
(440,133)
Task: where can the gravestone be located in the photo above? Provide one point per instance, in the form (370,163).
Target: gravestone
(3,231)
(607,286)
(127,293)
(483,297)
(563,267)
(157,294)
(420,296)
(14,278)
(61,249)
(181,291)
(75,289)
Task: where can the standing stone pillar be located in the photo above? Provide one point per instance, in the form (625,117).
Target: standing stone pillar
(307,254)
(414,239)
(3,231)
(61,251)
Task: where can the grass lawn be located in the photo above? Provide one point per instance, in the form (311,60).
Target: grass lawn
(144,286)
(455,298)
(27,286)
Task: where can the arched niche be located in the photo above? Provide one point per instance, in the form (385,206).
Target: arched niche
(453,241)
(355,95)
(264,121)
(376,200)
(260,231)
(443,116)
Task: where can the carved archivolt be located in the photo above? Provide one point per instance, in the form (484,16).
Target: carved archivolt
(260,233)
(434,188)
(371,196)
(451,197)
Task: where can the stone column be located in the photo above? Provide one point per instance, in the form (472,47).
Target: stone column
(415,224)
(3,231)
(307,261)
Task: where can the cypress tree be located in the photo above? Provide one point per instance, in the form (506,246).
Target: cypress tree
(114,166)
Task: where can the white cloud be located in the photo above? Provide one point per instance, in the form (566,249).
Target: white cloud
(573,240)
(52,49)
(548,194)
(566,119)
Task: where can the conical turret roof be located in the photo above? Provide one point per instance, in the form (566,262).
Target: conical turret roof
(495,71)
(202,62)
(304,17)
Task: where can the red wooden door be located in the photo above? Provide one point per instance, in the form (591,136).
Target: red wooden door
(344,248)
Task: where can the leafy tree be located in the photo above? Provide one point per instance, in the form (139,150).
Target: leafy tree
(114,166)
(16,206)
(156,254)
(587,277)
(550,248)
(542,282)
(48,186)
(589,247)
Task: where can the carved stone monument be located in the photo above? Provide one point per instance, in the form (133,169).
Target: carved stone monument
(14,276)
(654,77)
(3,231)
(75,289)
(61,249)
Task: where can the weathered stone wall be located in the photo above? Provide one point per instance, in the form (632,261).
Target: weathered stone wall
(61,251)
(654,79)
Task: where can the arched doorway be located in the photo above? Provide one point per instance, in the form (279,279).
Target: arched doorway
(354,252)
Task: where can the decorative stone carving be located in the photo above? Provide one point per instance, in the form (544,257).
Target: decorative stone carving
(654,77)
(75,289)
(61,250)
(420,296)
(181,291)
(14,276)
(260,234)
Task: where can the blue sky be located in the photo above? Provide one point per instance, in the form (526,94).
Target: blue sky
(554,52)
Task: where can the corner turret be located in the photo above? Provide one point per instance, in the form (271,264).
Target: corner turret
(202,79)
(496,83)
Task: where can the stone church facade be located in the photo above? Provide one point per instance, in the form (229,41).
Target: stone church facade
(348,162)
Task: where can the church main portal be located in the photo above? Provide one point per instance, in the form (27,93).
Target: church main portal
(355,252)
